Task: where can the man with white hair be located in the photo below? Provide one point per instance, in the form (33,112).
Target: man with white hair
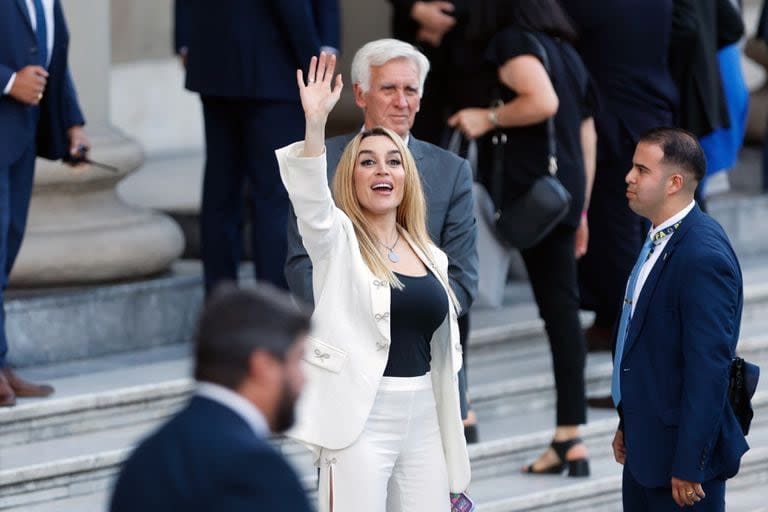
(388,80)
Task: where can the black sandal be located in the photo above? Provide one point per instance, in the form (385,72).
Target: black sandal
(576,468)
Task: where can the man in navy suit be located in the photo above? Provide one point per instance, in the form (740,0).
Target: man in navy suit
(214,454)
(624,44)
(678,437)
(241,56)
(39,116)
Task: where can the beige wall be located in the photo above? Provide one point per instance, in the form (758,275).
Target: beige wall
(141,29)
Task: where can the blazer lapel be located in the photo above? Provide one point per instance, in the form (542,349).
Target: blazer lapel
(22,5)
(646,295)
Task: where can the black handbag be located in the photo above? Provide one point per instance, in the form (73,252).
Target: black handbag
(524,221)
(741,388)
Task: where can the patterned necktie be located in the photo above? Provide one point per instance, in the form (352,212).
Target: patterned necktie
(42,33)
(626,308)
(626,315)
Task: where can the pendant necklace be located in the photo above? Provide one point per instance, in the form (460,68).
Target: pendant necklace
(391,254)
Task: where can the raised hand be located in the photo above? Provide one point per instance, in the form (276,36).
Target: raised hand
(318,97)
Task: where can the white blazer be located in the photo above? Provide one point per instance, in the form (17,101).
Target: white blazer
(348,349)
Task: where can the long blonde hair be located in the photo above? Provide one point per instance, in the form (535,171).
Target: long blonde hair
(411,213)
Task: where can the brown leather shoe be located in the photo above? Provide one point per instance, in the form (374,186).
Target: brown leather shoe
(7,396)
(600,402)
(23,388)
(598,338)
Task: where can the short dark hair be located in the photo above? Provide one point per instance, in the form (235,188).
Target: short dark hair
(235,322)
(681,149)
(487,17)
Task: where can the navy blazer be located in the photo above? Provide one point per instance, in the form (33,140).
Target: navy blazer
(207,458)
(447,183)
(252,48)
(676,417)
(624,45)
(59,109)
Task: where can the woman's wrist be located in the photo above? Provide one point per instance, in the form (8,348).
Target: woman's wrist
(493,117)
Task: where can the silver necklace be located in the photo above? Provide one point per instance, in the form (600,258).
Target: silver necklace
(391,254)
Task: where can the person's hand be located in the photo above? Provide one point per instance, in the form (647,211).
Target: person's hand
(29,85)
(183,54)
(619,452)
(582,238)
(432,37)
(317,97)
(686,493)
(433,16)
(472,122)
(78,139)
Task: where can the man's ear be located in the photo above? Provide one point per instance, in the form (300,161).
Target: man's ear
(359,95)
(677,182)
(260,366)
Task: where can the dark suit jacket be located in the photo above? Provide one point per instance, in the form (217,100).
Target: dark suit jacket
(447,182)
(252,48)
(59,110)
(207,458)
(676,417)
(625,45)
(699,29)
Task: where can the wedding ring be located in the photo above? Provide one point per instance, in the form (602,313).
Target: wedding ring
(39,96)
(311,80)
(690,493)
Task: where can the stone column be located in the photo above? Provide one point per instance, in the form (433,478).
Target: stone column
(79,231)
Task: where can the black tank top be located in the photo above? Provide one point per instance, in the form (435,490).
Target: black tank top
(416,312)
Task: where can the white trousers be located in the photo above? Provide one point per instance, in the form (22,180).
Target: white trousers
(397,463)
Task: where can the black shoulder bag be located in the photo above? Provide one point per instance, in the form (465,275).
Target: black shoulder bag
(524,221)
(742,386)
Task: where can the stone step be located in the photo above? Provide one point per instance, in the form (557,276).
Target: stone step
(60,467)
(106,405)
(142,388)
(602,491)
(497,486)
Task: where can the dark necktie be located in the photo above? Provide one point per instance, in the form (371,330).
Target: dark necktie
(42,33)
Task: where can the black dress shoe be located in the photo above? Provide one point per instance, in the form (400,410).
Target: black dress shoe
(600,402)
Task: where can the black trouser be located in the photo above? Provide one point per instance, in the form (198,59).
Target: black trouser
(241,137)
(551,267)
(616,236)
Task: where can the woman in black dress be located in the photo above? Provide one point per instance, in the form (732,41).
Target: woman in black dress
(517,37)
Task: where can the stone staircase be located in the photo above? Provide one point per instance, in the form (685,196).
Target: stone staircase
(62,454)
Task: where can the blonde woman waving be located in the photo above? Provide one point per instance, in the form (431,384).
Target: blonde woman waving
(381,407)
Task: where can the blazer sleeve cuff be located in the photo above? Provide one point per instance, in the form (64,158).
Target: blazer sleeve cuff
(7,76)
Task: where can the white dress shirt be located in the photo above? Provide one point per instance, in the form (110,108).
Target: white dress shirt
(645,270)
(237,403)
(48,8)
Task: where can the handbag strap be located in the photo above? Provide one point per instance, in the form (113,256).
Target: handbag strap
(455,144)
(499,139)
(551,137)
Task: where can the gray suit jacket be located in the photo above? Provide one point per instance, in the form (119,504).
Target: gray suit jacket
(447,182)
